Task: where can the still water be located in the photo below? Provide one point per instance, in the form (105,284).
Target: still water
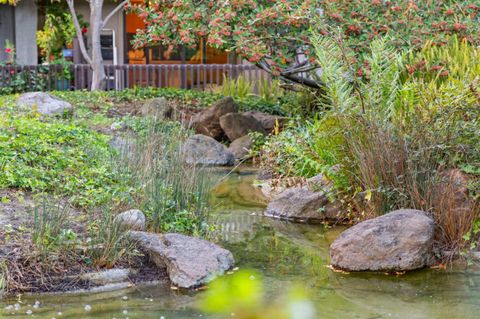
(285,254)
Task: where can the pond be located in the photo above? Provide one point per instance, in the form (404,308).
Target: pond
(285,254)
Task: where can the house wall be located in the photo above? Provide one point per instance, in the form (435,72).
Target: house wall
(6,28)
(115,23)
(26,19)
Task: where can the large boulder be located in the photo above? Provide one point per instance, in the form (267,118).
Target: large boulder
(236,125)
(207,122)
(268,121)
(305,205)
(241,147)
(190,261)
(158,107)
(398,241)
(204,150)
(44,103)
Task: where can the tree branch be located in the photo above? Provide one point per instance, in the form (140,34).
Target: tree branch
(81,42)
(294,78)
(113,12)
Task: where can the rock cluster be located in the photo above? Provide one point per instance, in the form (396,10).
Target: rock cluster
(223,121)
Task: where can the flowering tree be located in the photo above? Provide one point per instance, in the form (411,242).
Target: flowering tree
(271,34)
(275,34)
(407,25)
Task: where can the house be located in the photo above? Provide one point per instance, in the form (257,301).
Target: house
(19,24)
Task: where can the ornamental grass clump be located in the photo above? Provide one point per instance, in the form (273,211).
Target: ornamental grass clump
(174,195)
(392,137)
(404,131)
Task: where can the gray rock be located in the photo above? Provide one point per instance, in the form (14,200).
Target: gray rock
(236,125)
(241,147)
(319,182)
(398,241)
(132,219)
(158,107)
(118,126)
(207,122)
(44,103)
(300,204)
(268,121)
(204,150)
(190,261)
(124,145)
(107,277)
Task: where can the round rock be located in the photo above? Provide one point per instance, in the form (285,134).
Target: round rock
(398,241)
(132,219)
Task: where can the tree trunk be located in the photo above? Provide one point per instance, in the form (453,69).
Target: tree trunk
(98,76)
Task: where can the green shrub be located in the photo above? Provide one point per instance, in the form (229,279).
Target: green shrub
(392,134)
(99,101)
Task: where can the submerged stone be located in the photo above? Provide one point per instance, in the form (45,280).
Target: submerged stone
(109,276)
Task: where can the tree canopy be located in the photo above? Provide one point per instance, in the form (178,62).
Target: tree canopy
(275,35)
(271,34)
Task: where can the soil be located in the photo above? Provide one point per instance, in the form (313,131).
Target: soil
(27,273)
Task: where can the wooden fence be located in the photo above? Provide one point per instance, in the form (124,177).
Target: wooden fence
(78,77)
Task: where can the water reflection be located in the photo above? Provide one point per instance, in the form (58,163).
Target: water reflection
(285,253)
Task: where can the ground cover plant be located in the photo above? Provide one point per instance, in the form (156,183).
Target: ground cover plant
(57,157)
(66,183)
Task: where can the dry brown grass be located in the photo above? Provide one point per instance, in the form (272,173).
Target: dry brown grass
(400,174)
